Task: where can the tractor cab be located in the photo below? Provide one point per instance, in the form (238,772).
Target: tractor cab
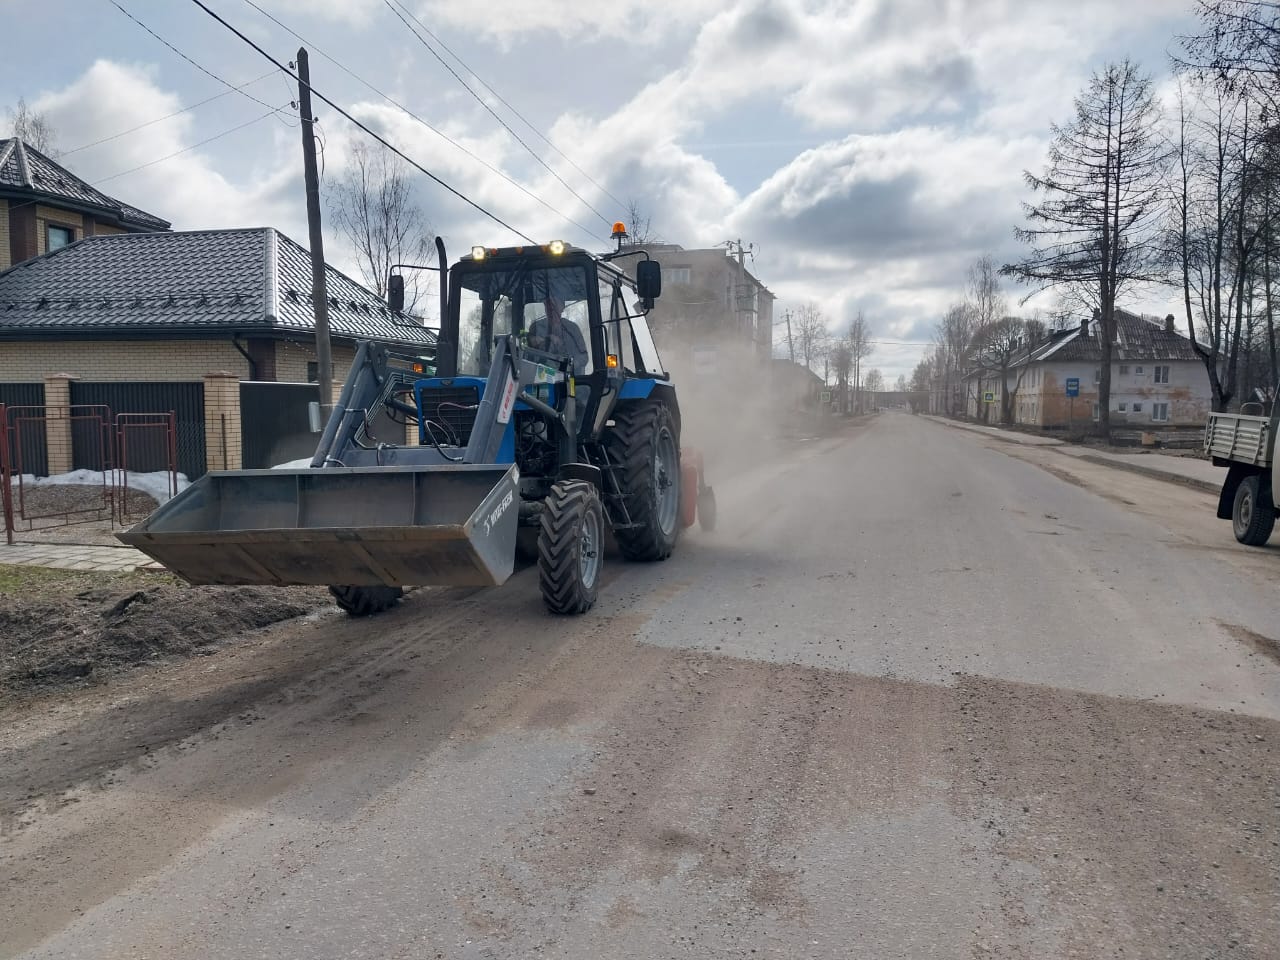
(569,312)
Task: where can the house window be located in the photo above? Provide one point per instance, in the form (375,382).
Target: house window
(1138,371)
(1096,412)
(58,237)
(1123,406)
(1124,369)
(1162,374)
(1137,407)
(313,372)
(678,275)
(1097,374)
(1160,412)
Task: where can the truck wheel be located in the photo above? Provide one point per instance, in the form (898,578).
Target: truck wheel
(646,451)
(1254,515)
(571,547)
(366,601)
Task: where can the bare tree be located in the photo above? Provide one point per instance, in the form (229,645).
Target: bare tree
(953,336)
(983,294)
(1094,230)
(1216,205)
(639,223)
(32,128)
(1239,45)
(996,348)
(373,205)
(874,381)
(842,365)
(901,385)
(811,334)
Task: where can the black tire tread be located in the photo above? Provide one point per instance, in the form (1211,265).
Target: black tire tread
(366,601)
(559,539)
(631,443)
(1263,520)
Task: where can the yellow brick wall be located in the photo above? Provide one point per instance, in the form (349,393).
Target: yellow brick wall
(102,229)
(5,262)
(60,217)
(159,360)
(222,423)
(292,359)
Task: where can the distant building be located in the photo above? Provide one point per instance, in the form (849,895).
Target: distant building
(709,297)
(1157,378)
(43,206)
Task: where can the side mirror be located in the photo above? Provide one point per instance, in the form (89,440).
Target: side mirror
(395,292)
(648,282)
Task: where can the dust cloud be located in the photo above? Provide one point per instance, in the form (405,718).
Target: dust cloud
(737,406)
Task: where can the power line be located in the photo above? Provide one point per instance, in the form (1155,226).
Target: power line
(519,186)
(320,96)
(536,132)
(204,70)
(216,136)
(493,113)
(167,116)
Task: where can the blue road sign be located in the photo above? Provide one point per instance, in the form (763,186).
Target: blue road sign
(1073,386)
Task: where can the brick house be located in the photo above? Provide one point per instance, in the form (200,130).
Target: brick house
(1158,381)
(43,206)
(198,322)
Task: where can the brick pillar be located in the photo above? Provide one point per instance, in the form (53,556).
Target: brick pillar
(222,427)
(57,422)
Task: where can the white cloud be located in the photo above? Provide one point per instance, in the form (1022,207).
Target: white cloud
(189,190)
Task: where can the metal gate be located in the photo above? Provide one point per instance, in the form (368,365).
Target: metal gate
(275,427)
(30,448)
(149,450)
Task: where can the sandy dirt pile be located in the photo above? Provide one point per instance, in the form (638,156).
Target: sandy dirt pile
(59,627)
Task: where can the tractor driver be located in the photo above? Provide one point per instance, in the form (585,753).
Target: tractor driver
(555,335)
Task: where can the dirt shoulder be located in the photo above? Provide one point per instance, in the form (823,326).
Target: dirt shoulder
(60,628)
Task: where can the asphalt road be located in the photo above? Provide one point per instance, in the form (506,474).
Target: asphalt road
(924,694)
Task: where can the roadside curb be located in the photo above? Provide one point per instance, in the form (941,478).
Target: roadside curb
(1064,450)
(1154,474)
(995,433)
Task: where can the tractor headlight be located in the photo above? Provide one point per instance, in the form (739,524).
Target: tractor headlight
(477,253)
(556,247)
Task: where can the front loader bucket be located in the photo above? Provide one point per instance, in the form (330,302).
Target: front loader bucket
(443,524)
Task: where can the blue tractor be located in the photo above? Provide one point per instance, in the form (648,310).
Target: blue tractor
(543,421)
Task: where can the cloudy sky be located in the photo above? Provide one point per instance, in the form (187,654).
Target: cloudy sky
(868,149)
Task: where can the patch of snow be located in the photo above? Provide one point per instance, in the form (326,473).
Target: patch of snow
(155,485)
(293,465)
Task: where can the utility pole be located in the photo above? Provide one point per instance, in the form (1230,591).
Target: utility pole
(743,312)
(319,292)
(791,347)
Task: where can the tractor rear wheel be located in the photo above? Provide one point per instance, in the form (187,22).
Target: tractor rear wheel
(366,601)
(646,451)
(571,547)
(1254,515)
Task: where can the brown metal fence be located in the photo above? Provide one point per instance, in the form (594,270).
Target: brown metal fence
(36,441)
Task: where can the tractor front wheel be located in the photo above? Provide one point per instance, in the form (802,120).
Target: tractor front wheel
(366,601)
(571,547)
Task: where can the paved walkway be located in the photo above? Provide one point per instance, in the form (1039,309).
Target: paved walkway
(1190,471)
(1010,436)
(71,556)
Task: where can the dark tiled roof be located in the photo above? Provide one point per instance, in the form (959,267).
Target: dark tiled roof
(25,170)
(1140,338)
(254,280)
